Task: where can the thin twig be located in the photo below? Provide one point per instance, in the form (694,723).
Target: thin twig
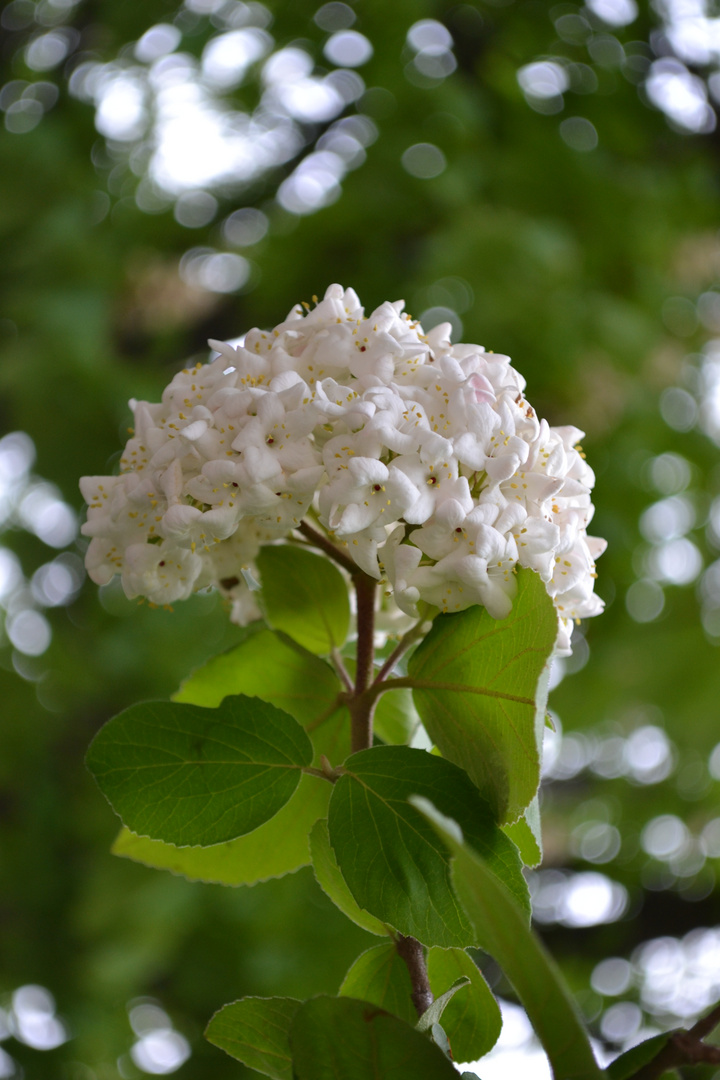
(402,646)
(411,951)
(684,1048)
(341,670)
(362,706)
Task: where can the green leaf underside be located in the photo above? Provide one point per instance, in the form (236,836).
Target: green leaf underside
(274,849)
(345,1039)
(394,864)
(472,1019)
(292,679)
(256,1032)
(625,1066)
(305,596)
(331,881)
(267,667)
(381,977)
(476,683)
(526,834)
(189,775)
(431,1017)
(396,719)
(502,930)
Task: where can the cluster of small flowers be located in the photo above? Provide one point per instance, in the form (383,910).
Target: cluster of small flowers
(422,460)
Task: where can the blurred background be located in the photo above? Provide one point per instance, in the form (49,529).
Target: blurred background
(544,177)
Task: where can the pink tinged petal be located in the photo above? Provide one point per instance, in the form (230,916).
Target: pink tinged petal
(482,389)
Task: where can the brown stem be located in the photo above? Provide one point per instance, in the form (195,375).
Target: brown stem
(342,671)
(318,540)
(402,646)
(684,1048)
(361,707)
(411,951)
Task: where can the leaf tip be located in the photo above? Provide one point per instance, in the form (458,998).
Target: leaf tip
(430,811)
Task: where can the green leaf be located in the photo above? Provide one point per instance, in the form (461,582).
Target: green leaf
(278,847)
(331,881)
(190,775)
(255,1031)
(432,1016)
(625,1066)
(476,686)
(396,719)
(391,859)
(291,678)
(381,976)
(472,1020)
(526,834)
(345,1039)
(268,667)
(502,930)
(304,595)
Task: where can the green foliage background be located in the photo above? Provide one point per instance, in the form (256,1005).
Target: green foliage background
(571,258)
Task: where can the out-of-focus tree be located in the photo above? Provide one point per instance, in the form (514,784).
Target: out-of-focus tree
(545,178)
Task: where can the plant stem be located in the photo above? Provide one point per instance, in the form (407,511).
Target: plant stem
(361,707)
(402,646)
(411,951)
(342,671)
(684,1048)
(318,540)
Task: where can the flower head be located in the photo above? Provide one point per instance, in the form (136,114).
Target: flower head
(422,460)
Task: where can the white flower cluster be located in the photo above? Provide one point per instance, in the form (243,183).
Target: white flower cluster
(422,460)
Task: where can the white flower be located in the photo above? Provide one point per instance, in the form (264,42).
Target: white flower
(422,460)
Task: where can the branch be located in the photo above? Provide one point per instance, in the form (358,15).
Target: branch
(684,1048)
(341,670)
(411,951)
(360,704)
(402,646)
(318,540)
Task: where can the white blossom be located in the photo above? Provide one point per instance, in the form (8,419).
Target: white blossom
(421,460)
